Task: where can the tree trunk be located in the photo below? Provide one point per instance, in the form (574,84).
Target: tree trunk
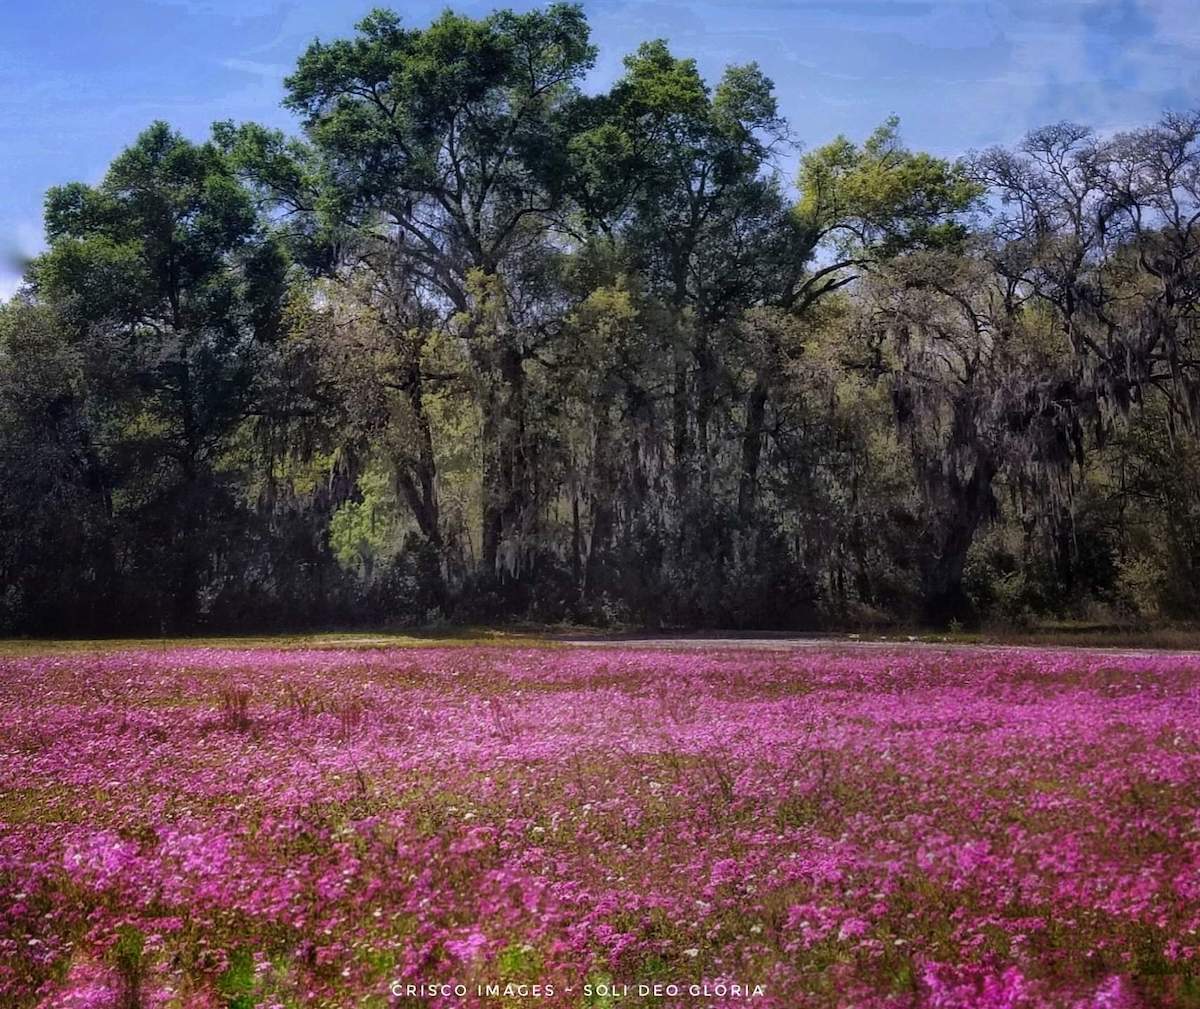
(417,476)
(945,599)
(603,492)
(752,439)
(187,596)
(492,487)
(706,385)
(681,441)
(506,470)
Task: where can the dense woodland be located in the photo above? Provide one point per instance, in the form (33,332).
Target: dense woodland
(475,344)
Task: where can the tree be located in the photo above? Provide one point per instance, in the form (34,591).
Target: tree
(57,563)
(858,207)
(169,286)
(1106,233)
(482,344)
(438,170)
(982,391)
(698,211)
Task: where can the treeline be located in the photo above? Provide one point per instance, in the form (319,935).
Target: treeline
(477,345)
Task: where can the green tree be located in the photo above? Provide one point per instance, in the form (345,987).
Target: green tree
(169,286)
(703,220)
(438,166)
(57,562)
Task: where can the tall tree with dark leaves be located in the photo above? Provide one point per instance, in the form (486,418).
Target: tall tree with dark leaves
(439,156)
(680,173)
(169,287)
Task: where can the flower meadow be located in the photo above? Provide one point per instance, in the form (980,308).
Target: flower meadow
(191,828)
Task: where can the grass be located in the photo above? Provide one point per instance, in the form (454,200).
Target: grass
(1051,634)
(416,638)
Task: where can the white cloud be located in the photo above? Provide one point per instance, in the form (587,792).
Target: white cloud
(268,71)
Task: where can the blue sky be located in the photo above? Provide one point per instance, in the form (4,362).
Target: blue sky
(80,78)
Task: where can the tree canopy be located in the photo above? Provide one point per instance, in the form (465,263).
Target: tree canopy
(477,342)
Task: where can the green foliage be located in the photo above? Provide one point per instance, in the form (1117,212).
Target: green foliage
(595,1000)
(237,983)
(882,194)
(361,531)
(478,345)
(464,111)
(128,955)
(518,963)
(166,287)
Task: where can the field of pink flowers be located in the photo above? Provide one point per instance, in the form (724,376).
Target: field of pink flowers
(618,827)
